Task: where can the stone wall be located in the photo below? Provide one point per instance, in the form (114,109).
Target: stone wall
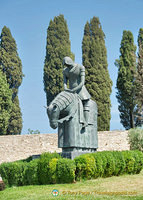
(19,147)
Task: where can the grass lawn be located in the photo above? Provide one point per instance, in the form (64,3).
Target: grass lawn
(114,188)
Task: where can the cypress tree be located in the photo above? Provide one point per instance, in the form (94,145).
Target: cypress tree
(139,82)
(58,46)
(98,82)
(5,104)
(11,66)
(125,80)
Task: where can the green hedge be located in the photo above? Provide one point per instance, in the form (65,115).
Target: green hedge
(30,173)
(65,170)
(85,166)
(44,171)
(13,173)
(50,168)
(108,164)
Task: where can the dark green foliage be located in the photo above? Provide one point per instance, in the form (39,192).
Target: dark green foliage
(44,174)
(85,166)
(136,139)
(57,47)
(130,162)
(125,81)
(51,169)
(13,173)
(11,66)
(98,82)
(134,161)
(5,104)
(100,163)
(108,164)
(105,164)
(30,174)
(139,82)
(138,156)
(65,170)
(15,122)
(119,163)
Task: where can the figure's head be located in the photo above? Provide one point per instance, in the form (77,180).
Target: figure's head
(68,61)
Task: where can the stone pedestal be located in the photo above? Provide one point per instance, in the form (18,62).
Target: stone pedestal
(71,153)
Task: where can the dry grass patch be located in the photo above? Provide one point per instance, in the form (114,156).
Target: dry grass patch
(132,184)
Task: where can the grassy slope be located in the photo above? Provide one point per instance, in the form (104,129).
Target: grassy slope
(124,187)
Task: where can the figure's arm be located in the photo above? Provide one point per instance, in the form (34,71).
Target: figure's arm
(65,80)
(82,80)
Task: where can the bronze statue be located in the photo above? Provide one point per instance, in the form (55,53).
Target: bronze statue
(75,73)
(74,113)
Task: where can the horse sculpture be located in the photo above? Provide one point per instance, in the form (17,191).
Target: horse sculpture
(66,113)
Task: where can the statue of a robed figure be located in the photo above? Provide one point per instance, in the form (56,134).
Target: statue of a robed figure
(74,113)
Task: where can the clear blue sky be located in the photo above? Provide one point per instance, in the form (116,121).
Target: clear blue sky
(28,21)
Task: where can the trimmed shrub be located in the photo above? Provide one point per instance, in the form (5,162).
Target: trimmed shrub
(100,163)
(136,139)
(85,166)
(13,173)
(139,164)
(106,163)
(30,175)
(119,163)
(52,170)
(43,167)
(130,160)
(65,170)
(110,167)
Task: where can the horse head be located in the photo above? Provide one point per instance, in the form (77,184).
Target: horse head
(60,108)
(53,114)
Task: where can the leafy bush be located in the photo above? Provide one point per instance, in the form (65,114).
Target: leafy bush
(99,164)
(30,175)
(13,173)
(105,164)
(139,164)
(43,167)
(108,164)
(52,170)
(119,163)
(65,170)
(136,139)
(133,160)
(85,166)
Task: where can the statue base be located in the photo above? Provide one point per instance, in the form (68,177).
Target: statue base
(73,152)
